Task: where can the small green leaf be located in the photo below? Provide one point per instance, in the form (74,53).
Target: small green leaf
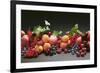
(38,29)
(56,33)
(74,29)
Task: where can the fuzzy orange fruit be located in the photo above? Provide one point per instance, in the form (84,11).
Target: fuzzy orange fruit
(39,49)
(46,46)
(65,38)
(45,38)
(63,45)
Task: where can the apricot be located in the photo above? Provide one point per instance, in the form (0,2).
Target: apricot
(39,49)
(65,38)
(46,46)
(63,45)
(45,38)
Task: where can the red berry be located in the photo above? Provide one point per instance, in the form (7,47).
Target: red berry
(83,49)
(80,46)
(29,53)
(59,51)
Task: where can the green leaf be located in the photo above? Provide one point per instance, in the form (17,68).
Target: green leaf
(56,33)
(74,29)
(38,29)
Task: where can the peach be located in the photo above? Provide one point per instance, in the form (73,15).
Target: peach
(46,46)
(65,38)
(45,38)
(63,45)
(39,49)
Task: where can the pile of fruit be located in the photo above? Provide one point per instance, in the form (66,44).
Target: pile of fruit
(42,41)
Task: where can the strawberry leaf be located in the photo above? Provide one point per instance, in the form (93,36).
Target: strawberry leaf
(56,33)
(74,30)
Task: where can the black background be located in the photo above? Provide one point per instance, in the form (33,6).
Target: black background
(59,20)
